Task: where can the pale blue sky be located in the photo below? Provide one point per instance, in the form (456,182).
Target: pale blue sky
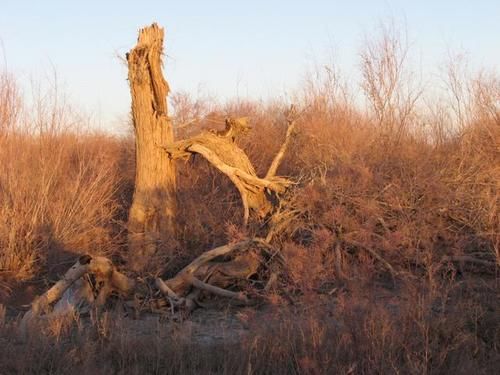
(256,49)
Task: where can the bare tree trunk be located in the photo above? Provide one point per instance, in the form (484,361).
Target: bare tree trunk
(151,217)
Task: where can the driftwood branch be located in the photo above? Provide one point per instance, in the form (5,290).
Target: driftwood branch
(220,150)
(72,290)
(41,304)
(165,289)
(215,253)
(206,274)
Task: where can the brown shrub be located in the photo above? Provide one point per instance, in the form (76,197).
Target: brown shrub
(58,191)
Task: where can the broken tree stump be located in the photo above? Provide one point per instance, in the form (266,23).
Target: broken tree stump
(151,217)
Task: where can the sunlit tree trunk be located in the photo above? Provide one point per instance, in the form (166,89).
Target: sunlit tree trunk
(151,217)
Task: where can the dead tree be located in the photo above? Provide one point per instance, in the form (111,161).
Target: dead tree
(215,271)
(152,213)
(151,216)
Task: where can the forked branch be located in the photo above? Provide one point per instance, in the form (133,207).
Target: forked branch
(291,120)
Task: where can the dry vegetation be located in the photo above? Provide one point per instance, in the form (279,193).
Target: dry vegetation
(391,265)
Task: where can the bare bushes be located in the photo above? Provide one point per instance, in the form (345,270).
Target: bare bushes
(414,197)
(57,187)
(388,82)
(10,102)
(475,176)
(385,182)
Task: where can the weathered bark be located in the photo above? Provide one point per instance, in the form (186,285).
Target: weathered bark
(151,217)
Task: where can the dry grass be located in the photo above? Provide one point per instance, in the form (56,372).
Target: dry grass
(58,189)
(365,331)
(414,178)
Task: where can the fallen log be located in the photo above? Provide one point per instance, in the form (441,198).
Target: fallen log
(91,280)
(72,290)
(211,276)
